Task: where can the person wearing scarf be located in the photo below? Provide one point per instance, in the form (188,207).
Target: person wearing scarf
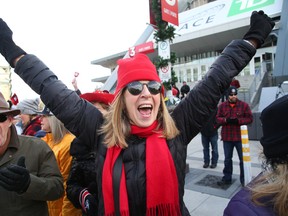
(162,196)
(138,130)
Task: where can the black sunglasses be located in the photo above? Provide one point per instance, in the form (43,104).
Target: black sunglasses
(135,88)
(232,95)
(3,118)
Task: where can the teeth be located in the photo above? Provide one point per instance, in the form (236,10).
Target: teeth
(145,106)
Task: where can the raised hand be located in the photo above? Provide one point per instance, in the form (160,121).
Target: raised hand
(8,48)
(260,27)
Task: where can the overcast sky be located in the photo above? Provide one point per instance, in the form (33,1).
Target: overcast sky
(68,34)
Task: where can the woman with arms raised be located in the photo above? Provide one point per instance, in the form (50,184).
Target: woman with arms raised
(139,136)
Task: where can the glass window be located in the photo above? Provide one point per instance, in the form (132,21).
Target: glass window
(181,76)
(195,74)
(246,71)
(189,75)
(203,71)
(257,61)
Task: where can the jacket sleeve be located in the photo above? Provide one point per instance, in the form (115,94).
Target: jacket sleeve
(194,111)
(66,105)
(220,117)
(74,186)
(82,175)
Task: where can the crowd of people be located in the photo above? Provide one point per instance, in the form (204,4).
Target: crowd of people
(122,153)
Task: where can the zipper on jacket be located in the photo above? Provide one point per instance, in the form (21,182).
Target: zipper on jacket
(136,172)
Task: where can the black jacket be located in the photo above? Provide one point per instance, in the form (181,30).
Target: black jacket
(83,119)
(82,176)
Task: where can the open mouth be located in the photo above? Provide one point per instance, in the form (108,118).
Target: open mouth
(145,109)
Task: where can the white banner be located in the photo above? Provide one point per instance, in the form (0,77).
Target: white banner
(165,72)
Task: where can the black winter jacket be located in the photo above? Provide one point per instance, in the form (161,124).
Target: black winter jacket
(83,119)
(82,175)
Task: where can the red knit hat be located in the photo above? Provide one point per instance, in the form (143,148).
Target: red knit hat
(136,68)
(98,96)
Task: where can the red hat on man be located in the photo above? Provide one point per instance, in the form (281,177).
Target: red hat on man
(136,68)
(98,96)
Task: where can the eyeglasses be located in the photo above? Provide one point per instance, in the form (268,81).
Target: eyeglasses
(135,88)
(3,118)
(232,95)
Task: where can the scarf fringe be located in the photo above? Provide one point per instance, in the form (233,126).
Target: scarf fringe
(164,210)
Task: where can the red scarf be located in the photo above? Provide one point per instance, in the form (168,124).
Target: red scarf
(161,177)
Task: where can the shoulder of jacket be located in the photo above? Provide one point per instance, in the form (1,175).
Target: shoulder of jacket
(32,140)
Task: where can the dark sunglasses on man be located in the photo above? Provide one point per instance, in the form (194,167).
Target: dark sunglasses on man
(136,87)
(3,118)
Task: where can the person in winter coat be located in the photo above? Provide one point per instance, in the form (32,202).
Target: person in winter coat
(29,175)
(81,184)
(59,139)
(209,135)
(267,193)
(29,118)
(146,145)
(185,89)
(231,115)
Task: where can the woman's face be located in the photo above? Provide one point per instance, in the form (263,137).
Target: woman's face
(25,119)
(45,125)
(143,108)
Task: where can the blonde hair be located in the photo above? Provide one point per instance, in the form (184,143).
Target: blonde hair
(274,185)
(117,124)
(58,129)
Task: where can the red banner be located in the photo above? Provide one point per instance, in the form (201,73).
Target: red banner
(147,47)
(170,11)
(14,99)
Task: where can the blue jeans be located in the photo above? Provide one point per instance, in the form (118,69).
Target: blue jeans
(206,150)
(228,163)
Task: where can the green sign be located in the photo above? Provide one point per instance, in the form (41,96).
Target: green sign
(242,6)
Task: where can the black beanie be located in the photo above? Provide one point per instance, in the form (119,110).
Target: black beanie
(232,90)
(275,128)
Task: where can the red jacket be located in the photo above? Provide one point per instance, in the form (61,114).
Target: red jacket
(32,128)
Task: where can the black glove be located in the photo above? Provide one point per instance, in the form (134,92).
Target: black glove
(92,187)
(8,48)
(260,27)
(232,121)
(15,177)
(88,203)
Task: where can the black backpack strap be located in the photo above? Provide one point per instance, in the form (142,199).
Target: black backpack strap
(117,170)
